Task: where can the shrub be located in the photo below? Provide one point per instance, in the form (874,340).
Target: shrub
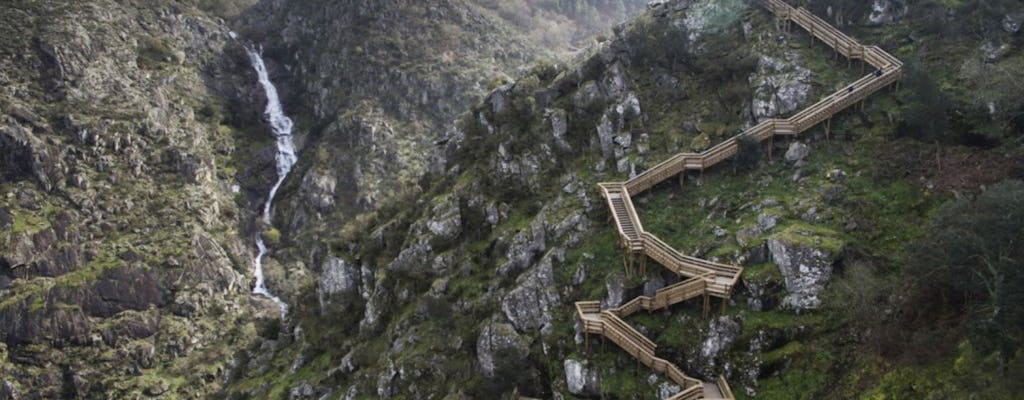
(748,155)
(925,105)
(972,253)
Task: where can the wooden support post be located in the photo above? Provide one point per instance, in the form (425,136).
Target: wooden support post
(586,340)
(828,128)
(643,265)
(771,146)
(725,305)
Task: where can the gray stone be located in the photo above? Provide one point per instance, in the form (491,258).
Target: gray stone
(668,389)
(806,270)
(653,285)
(993,51)
(1013,22)
(622,165)
(720,232)
(559,128)
(338,278)
(580,380)
(528,306)
(499,340)
(525,247)
(318,188)
(797,152)
(721,333)
(605,136)
(8,391)
(781,85)
(446,219)
(302,391)
(588,96)
(765,222)
(836,175)
(616,286)
(886,11)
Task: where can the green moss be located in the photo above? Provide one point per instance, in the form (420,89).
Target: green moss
(762,272)
(814,236)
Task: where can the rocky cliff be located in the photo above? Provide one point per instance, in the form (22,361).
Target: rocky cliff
(443,215)
(123,257)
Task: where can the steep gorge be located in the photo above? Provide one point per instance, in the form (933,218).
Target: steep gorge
(426,258)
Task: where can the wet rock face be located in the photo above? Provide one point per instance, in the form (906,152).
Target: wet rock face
(807,271)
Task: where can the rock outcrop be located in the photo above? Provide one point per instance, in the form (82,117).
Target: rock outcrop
(806,267)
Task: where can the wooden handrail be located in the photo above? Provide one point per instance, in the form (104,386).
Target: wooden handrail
(723,386)
(706,277)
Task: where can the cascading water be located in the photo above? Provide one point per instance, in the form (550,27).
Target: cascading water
(285,158)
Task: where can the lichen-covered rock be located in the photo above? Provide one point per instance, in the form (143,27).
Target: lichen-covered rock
(8,391)
(318,187)
(721,333)
(338,279)
(765,222)
(559,127)
(605,136)
(528,306)
(797,152)
(581,381)
(806,268)
(524,248)
(886,11)
(499,344)
(446,220)
(1012,22)
(588,96)
(616,288)
(781,85)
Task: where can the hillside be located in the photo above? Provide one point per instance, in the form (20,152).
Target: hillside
(444,215)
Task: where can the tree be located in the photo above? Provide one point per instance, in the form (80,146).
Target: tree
(975,249)
(925,105)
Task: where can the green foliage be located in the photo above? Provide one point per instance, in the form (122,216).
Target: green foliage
(848,11)
(654,43)
(973,252)
(272,236)
(153,53)
(925,105)
(748,154)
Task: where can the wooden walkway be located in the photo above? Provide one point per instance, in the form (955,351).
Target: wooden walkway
(705,279)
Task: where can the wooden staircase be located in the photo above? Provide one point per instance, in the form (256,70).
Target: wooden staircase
(704,279)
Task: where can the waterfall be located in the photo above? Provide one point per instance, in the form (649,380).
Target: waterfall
(285,158)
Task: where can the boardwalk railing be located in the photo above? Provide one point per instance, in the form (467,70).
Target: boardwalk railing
(706,278)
